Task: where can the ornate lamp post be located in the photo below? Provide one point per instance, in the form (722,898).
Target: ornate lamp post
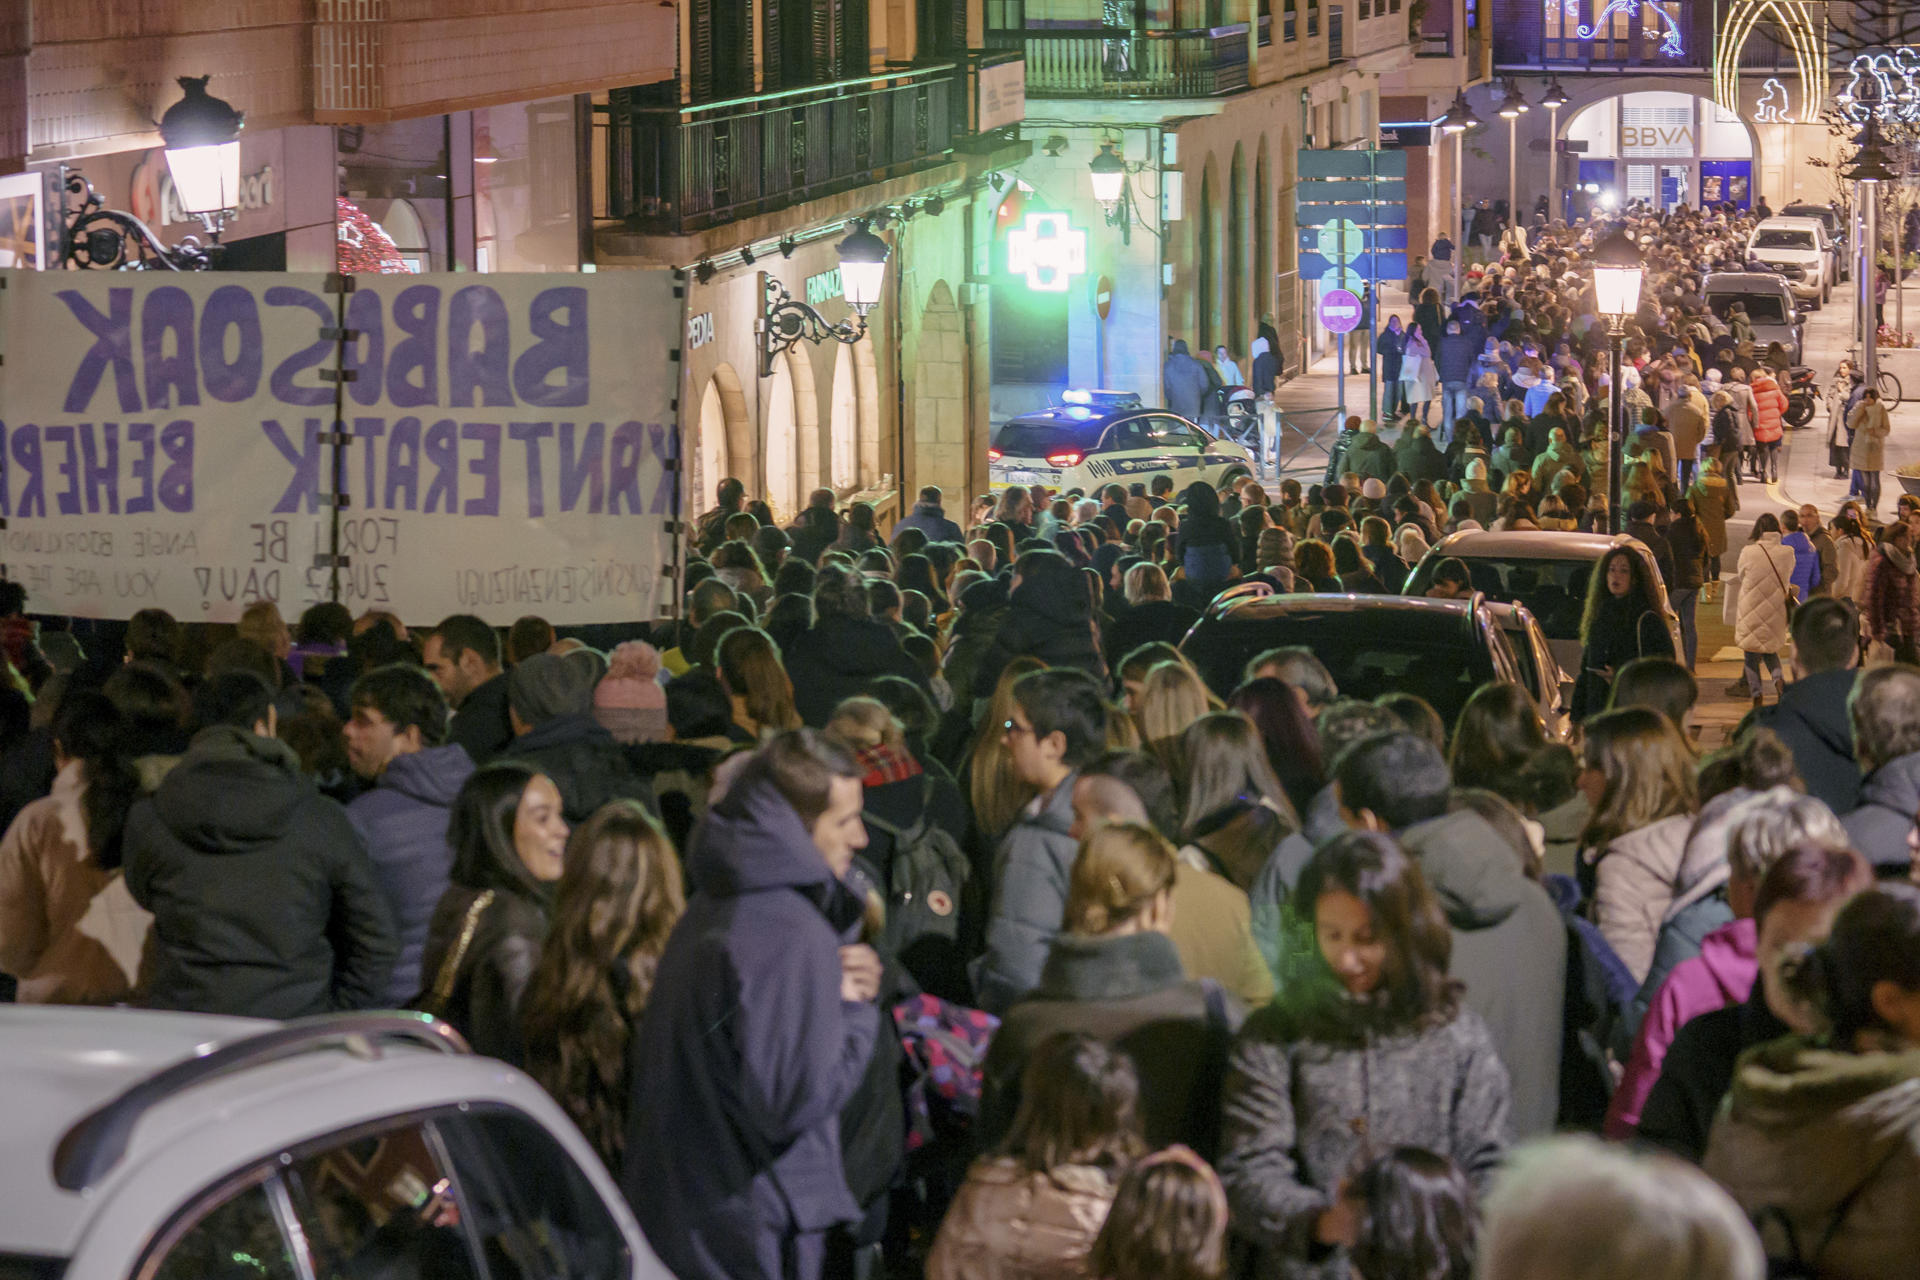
(785,322)
(1616,292)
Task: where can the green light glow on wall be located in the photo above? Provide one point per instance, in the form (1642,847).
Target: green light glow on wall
(1048,251)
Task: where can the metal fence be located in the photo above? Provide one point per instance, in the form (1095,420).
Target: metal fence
(1116,62)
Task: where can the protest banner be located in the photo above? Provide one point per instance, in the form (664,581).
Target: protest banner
(490,444)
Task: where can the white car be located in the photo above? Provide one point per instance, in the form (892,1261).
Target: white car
(165,1146)
(1104,437)
(1800,246)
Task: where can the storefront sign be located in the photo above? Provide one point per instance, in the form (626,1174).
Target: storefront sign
(1003,94)
(170,441)
(1675,140)
(824,287)
(1048,251)
(699,330)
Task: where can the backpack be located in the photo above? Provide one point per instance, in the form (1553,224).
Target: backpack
(923,887)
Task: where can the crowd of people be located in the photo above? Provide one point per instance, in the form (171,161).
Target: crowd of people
(914,906)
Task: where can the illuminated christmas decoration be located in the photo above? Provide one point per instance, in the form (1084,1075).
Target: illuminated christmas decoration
(1806,35)
(1635,11)
(1881,86)
(364,248)
(1048,251)
(1775,105)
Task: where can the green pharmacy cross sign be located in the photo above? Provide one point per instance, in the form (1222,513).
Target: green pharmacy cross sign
(1048,251)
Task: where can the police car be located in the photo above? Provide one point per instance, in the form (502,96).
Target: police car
(1098,438)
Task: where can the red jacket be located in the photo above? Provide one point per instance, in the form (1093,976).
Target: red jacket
(1772,402)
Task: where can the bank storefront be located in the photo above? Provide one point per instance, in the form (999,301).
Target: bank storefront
(1670,150)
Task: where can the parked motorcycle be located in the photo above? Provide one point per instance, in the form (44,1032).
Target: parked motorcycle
(1803,393)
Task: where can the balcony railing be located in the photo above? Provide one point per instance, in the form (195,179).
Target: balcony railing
(1120,62)
(680,169)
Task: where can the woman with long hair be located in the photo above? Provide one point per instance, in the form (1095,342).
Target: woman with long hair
(1034,1207)
(1293,748)
(1497,736)
(1236,811)
(1622,621)
(1171,697)
(1818,1138)
(620,895)
(1758,605)
(1852,548)
(993,787)
(1638,775)
(1313,567)
(70,933)
(1207,545)
(1168,1222)
(509,846)
(752,674)
(915,573)
(1369,1050)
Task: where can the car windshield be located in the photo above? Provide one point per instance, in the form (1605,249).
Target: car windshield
(1762,308)
(1522,655)
(1368,651)
(1038,439)
(20,1266)
(1554,591)
(1782,238)
(1813,211)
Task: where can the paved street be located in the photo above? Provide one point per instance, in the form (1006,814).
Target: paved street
(1805,477)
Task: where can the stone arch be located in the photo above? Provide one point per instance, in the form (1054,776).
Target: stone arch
(866,382)
(1796,22)
(939,387)
(723,436)
(792,415)
(1263,232)
(1206,262)
(1239,253)
(843,426)
(1591,92)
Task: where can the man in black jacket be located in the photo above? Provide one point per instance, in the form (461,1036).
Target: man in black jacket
(551,706)
(1811,716)
(463,656)
(264,901)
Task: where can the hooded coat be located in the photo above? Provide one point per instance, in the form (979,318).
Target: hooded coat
(931,519)
(1889,797)
(480,724)
(1184,382)
(1047,619)
(1831,1141)
(583,761)
(747,1054)
(403,822)
(264,902)
(838,657)
(1496,914)
(1130,992)
(1721,975)
(1811,718)
(1369,457)
(1760,598)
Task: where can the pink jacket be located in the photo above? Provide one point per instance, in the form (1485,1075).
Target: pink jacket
(1722,974)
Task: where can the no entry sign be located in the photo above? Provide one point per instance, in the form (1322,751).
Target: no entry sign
(1339,311)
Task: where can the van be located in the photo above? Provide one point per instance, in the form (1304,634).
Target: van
(1769,302)
(1800,247)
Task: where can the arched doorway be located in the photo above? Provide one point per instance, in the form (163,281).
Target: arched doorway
(939,399)
(722,438)
(1666,148)
(1235,331)
(866,385)
(1262,234)
(1206,270)
(843,423)
(781,426)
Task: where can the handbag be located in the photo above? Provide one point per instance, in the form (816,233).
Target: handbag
(1791,592)
(434,999)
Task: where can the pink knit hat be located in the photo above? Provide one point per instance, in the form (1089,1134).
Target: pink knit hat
(629,701)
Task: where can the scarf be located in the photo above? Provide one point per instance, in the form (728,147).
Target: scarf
(1900,560)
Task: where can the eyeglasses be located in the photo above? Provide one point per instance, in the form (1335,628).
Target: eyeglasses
(1012,727)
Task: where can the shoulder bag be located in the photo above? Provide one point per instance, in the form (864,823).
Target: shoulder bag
(434,999)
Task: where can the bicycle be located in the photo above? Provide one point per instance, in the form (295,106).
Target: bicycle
(1885,382)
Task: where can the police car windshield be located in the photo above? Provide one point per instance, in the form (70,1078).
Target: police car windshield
(1025,438)
(1762,308)
(1782,238)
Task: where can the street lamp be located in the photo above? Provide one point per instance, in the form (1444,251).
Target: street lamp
(201,134)
(1512,107)
(1455,122)
(1869,168)
(1616,295)
(1111,187)
(1554,99)
(785,322)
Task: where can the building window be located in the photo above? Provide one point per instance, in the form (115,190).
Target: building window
(1631,31)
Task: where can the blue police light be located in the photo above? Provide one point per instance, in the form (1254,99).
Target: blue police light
(1077,397)
(1079,411)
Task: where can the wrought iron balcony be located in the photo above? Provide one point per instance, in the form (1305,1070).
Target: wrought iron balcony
(677,169)
(1125,62)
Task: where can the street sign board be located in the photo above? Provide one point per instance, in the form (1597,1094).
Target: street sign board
(1341,239)
(1103,296)
(1339,311)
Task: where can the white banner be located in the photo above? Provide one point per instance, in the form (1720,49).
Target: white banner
(168,440)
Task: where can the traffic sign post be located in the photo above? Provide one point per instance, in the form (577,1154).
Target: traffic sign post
(1340,315)
(1351,208)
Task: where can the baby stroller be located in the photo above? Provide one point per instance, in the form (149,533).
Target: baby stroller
(1234,413)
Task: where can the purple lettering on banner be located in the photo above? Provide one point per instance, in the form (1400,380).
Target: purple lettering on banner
(367,354)
(485,370)
(101,467)
(112,348)
(532,433)
(583,467)
(67,501)
(403,464)
(367,433)
(560,347)
(305,482)
(486,467)
(176,482)
(282,383)
(140,441)
(6,476)
(416,313)
(661,440)
(230,307)
(169,311)
(625,480)
(26,456)
(441,451)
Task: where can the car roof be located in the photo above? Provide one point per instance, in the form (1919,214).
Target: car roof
(1743,282)
(1793,221)
(1279,604)
(1530,544)
(1083,416)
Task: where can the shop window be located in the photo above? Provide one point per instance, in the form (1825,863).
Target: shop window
(843,424)
(782,422)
